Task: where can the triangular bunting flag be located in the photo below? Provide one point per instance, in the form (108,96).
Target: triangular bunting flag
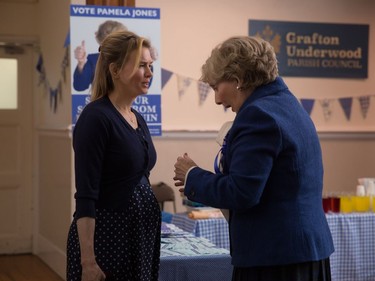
(41,70)
(59,90)
(364,103)
(182,83)
(39,65)
(65,64)
(308,104)
(53,99)
(67,40)
(327,108)
(203,90)
(165,76)
(346,104)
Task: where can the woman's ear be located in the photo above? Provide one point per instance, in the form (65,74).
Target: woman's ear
(113,70)
(239,83)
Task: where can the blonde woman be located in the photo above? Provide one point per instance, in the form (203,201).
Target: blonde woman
(115,233)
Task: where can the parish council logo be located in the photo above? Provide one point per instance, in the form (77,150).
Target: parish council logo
(274,39)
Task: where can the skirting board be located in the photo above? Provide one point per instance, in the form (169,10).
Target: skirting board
(54,257)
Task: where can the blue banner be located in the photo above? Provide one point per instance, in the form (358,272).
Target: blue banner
(114,12)
(316,49)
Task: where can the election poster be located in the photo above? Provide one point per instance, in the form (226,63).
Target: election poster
(88,27)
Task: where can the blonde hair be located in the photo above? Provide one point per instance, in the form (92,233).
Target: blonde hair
(250,61)
(116,48)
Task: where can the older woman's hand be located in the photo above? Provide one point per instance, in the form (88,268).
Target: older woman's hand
(181,167)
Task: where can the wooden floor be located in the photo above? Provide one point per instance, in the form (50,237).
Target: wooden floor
(25,268)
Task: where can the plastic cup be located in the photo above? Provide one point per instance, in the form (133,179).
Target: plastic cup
(361,203)
(335,204)
(326,204)
(331,204)
(346,204)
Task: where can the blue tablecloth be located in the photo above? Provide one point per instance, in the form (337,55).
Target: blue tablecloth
(186,257)
(353,236)
(216,229)
(354,240)
(198,268)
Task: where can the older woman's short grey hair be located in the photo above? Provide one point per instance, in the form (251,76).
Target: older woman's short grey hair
(250,61)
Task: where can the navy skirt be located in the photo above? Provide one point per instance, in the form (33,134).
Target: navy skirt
(307,271)
(127,243)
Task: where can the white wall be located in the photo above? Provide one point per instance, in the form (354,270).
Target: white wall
(52,135)
(47,23)
(190,31)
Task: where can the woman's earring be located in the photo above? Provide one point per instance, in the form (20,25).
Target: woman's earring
(238,88)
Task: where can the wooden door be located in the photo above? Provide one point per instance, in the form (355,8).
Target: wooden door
(16,146)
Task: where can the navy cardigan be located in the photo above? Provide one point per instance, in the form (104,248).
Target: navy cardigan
(110,158)
(272,183)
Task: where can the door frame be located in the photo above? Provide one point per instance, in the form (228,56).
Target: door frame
(30,44)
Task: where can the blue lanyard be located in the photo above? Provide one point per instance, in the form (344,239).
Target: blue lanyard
(218,164)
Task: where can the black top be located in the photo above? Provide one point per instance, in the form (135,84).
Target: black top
(110,157)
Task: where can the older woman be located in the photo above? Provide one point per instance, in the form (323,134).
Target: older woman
(272,172)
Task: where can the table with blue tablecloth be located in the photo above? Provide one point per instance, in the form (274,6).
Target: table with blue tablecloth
(354,240)
(214,229)
(187,257)
(353,236)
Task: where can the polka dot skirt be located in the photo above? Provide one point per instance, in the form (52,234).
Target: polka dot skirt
(127,243)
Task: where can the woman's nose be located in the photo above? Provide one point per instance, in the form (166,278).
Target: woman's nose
(150,70)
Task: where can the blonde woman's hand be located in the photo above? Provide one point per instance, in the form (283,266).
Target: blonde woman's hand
(92,272)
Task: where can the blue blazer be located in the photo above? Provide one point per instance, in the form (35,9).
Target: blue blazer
(82,80)
(272,183)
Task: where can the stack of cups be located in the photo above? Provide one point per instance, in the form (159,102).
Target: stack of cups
(361,201)
(364,201)
(371,193)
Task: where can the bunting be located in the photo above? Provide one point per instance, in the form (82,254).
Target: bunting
(307,104)
(55,93)
(346,103)
(65,61)
(183,83)
(327,108)
(40,68)
(203,91)
(165,76)
(364,103)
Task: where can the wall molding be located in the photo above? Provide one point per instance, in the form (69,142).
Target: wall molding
(51,255)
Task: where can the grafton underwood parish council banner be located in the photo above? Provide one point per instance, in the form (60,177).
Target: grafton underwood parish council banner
(316,49)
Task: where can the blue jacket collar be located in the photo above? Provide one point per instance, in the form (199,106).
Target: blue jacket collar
(266,90)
